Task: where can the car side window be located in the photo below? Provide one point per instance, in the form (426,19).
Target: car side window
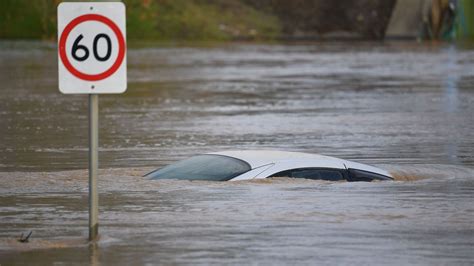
(313,173)
(359,175)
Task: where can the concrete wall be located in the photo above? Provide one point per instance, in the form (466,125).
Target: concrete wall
(407,19)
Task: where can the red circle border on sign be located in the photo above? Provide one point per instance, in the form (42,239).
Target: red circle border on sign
(62,47)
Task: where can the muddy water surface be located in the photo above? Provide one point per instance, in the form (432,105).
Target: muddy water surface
(404,107)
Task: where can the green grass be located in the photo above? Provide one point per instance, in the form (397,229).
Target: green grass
(151,20)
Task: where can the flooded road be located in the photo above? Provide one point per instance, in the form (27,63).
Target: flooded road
(404,107)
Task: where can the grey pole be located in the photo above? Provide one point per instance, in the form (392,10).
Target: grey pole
(93,166)
(94,160)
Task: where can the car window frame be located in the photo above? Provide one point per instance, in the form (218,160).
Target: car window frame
(344,172)
(351,176)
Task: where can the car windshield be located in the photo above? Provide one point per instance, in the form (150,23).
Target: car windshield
(203,167)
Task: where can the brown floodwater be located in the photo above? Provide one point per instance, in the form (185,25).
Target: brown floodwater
(404,107)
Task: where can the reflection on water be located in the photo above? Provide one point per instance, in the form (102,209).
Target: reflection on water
(451,98)
(403,107)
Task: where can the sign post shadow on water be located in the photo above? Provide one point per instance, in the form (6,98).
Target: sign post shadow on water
(92,60)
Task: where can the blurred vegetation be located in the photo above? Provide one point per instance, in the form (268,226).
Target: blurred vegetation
(27,19)
(150,20)
(198,20)
(221,20)
(465,20)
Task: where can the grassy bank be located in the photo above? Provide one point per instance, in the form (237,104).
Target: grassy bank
(27,19)
(162,20)
(192,21)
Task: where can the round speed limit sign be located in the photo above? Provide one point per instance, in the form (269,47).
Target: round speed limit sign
(92,48)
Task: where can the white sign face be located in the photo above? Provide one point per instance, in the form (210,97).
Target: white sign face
(92,49)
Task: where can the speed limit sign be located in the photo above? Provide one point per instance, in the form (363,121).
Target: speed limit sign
(92,55)
(92,48)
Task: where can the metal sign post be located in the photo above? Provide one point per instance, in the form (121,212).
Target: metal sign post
(93,165)
(92,60)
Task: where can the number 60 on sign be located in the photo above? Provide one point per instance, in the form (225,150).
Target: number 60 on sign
(92,48)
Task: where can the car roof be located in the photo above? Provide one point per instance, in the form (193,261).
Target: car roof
(257,158)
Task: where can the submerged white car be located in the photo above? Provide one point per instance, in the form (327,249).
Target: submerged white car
(251,164)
